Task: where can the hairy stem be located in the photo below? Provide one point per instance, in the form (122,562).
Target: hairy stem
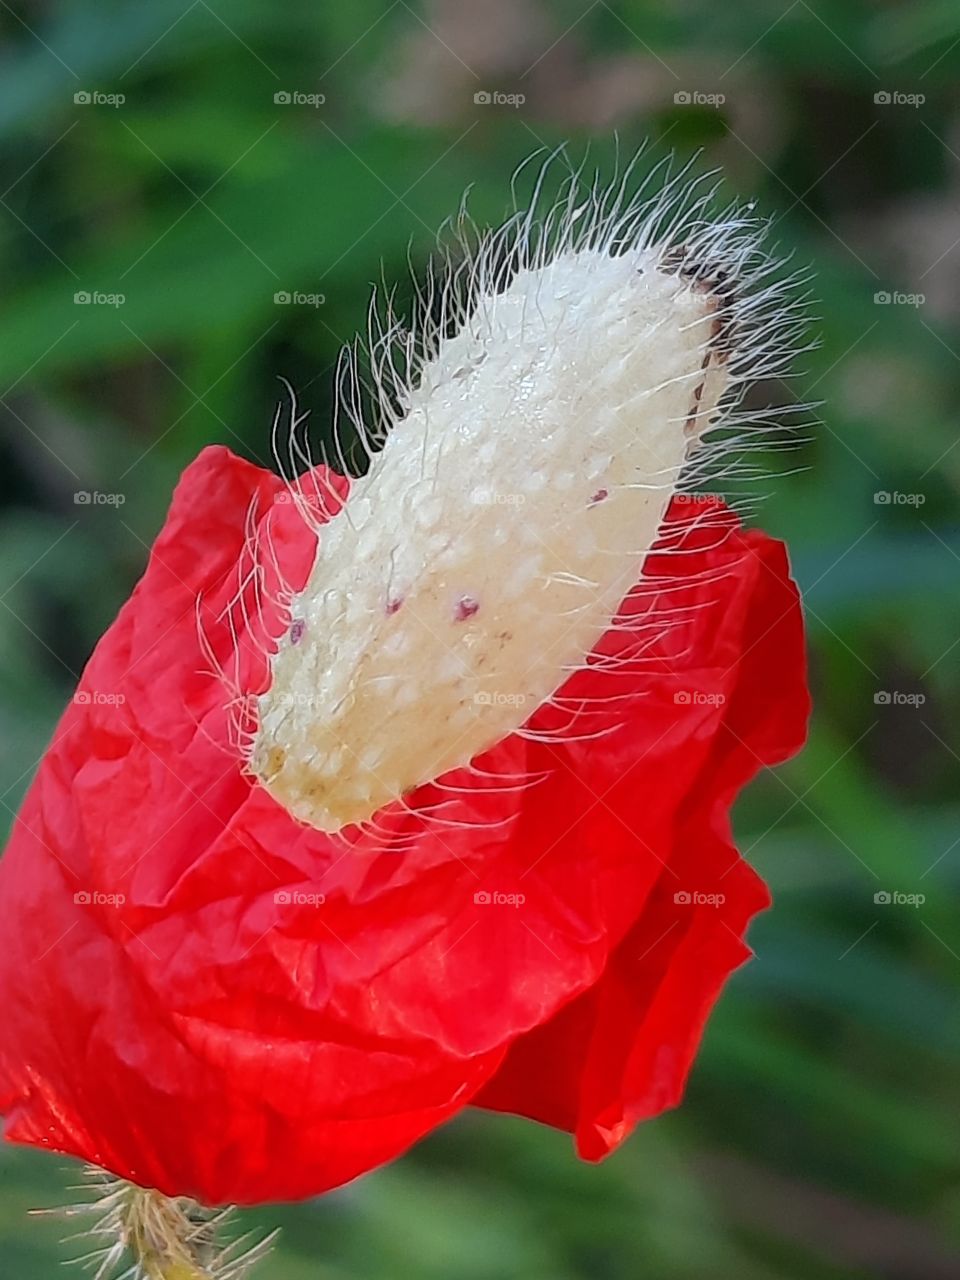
(164,1236)
(144,1235)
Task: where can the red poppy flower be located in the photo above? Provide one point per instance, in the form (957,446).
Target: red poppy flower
(205,995)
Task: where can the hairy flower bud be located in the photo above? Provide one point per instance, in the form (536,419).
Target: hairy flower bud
(518,490)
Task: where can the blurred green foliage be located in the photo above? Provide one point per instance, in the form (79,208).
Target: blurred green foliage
(820,1133)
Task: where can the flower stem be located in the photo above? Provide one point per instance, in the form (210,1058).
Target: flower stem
(145,1235)
(162,1235)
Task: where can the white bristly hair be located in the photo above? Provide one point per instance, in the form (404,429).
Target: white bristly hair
(567,374)
(139,1234)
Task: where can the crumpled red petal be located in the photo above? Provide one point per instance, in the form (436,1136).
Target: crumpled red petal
(621,1053)
(204,1034)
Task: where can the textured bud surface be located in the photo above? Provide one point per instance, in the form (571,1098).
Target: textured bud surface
(491,542)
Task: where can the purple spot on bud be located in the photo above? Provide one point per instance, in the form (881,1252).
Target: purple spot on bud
(297,630)
(393,606)
(466,608)
(599,496)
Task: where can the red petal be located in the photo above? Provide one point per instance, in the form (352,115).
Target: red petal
(621,1052)
(201,1038)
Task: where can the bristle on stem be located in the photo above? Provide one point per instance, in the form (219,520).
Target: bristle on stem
(140,1234)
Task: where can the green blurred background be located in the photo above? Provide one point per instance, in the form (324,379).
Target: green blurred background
(819,1135)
